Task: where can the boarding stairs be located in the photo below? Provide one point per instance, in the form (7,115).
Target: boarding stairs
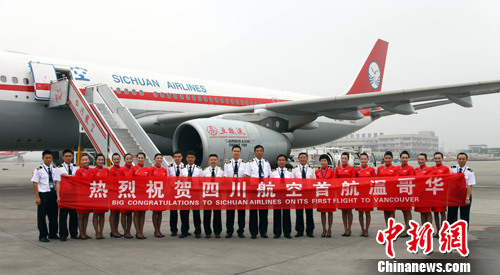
(109,125)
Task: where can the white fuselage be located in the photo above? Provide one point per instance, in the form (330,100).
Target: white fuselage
(27,123)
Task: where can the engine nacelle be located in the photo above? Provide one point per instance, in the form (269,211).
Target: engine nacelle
(207,136)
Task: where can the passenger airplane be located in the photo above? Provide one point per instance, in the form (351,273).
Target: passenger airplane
(208,117)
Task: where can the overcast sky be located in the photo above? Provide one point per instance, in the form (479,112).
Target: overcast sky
(314,47)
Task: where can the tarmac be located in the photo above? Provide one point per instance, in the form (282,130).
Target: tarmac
(22,253)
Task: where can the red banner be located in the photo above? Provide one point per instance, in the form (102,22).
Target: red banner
(166,193)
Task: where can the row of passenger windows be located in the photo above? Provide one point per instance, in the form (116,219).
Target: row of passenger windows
(14,80)
(212,99)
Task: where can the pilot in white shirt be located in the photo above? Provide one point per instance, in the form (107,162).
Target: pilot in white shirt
(470,179)
(236,168)
(64,170)
(174,170)
(212,171)
(280,223)
(258,168)
(190,170)
(45,197)
(308,172)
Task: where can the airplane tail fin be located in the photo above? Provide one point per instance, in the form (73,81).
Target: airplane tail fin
(371,75)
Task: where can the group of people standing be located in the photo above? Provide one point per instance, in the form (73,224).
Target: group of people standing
(47,178)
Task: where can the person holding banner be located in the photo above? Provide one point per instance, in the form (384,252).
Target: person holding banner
(139,170)
(98,218)
(45,197)
(439,211)
(305,172)
(387,170)
(405,170)
(282,225)
(157,171)
(470,179)
(126,218)
(174,170)
(191,170)
(345,171)
(422,170)
(235,168)
(365,171)
(65,170)
(212,171)
(83,214)
(258,168)
(114,216)
(325,172)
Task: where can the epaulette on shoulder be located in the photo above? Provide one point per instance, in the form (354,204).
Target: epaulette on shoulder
(244,161)
(289,170)
(205,169)
(198,167)
(273,170)
(53,166)
(453,166)
(228,162)
(267,160)
(59,166)
(310,166)
(222,170)
(171,165)
(468,168)
(250,160)
(295,166)
(39,168)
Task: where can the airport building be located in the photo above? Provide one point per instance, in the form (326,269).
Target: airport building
(421,142)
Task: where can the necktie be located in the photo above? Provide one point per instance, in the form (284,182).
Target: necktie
(460,170)
(50,177)
(303,172)
(261,172)
(282,174)
(190,172)
(235,172)
(213,172)
(178,172)
(69,170)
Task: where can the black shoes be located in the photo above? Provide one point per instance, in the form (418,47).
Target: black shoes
(140,238)
(217,236)
(299,235)
(264,236)
(310,235)
(54,237)
(229,236)
(288,236)
(254,237)
(63,238)
(115,236)
(241,235)
(182,235)
(173,234)
(198,236)
(44,240)
(276,236)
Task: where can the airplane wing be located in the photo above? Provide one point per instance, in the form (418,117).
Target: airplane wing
(396,102)
(344,106)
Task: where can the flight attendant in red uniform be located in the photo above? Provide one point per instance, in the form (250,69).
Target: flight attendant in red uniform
(157,171)
(126,218)
(439,169)
(365,171)
(422,170)
(405,170)
(345,171)
(139,216)
(387,170)
(114,216)
(83,214)
(325,172)
(98,218)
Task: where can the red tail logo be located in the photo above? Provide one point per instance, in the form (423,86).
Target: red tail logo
(371,75)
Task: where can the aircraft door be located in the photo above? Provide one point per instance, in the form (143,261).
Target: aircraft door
(43,74)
